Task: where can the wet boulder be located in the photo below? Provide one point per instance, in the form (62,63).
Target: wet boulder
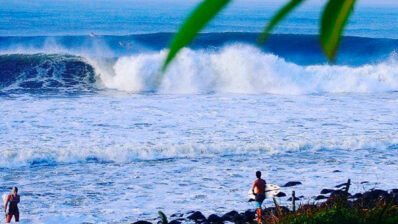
(320,197)
(327,191)
(175,222)
(142,222)
(176,215)
(375,194)
(230,216)
(341,185)
(356,196)
(248,215)
(339,193)
(280,194)
(197,217)
(214,219)
(292,183)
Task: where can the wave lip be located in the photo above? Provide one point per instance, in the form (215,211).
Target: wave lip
(245,69)
(236,68)
(45,72)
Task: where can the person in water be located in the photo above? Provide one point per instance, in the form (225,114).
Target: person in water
(258,190)
(11,206)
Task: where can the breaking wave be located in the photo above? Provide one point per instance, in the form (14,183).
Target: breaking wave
(147,152)
(244,69)
(236,68)
(45,72)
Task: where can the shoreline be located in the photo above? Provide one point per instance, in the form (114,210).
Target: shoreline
(331,205)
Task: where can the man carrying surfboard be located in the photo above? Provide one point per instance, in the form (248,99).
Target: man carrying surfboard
(258,190)
(11,205)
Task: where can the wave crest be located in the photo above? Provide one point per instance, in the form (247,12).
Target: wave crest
(244,69)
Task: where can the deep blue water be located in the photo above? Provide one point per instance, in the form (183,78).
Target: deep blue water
(122,17)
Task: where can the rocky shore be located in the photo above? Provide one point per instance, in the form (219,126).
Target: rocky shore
(383,202)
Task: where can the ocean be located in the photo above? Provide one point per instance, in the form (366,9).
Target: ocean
(88,136)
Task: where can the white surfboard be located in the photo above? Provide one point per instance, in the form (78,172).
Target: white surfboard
(4,196)
(271,190)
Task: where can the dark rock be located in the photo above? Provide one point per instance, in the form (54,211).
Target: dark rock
(214,219)
(320,197)
(364,182)
(176,215)
(374,194)
(249,215)
(142,222)
(356,196)
(230,216)
(175,222)
(327,191)
(336,171)
(197,216)
(341,185)
(202,222)
(238,219)
(339,193)
(292,183)
(280,194)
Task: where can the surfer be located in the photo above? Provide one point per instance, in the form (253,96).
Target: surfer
(11,206)
(258,190)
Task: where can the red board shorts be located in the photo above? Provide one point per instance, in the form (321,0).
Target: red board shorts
(9,216)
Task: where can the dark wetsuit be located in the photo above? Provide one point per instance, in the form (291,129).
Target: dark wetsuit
(11,207)
(260,195)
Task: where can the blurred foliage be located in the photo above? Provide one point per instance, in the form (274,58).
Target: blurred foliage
(334,18)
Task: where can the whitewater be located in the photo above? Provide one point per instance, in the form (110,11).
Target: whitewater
(100,125)
(92,132)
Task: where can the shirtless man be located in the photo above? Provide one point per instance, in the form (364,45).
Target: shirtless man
(11,206)
(258,189)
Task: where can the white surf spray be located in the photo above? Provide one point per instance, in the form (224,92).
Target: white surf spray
(244,69)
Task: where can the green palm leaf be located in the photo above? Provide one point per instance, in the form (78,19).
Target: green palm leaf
(191,27)
(278,17)
(334,18)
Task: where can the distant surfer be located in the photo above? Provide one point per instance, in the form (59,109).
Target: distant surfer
(258,190)
(11,205)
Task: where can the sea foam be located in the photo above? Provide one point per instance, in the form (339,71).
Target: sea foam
(244,69)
